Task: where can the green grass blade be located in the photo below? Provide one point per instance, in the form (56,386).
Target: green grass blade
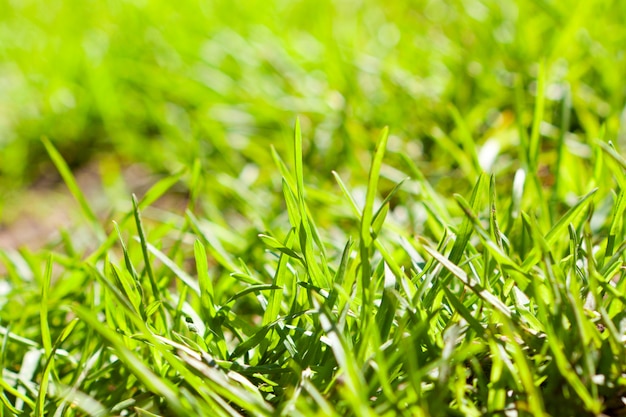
(45,377)
(275,244)
(525,373)
(346,193)
(154,193)
(128,287)
(372,187)
(127,261)
(610,150)
(135,364)
(465,231)
(43,310)
(462,276)
(72,185)
(46,338)
(280,280)
(569,217)
(617,224)
(215,247)
(207,294)
(559,229)
(171,265)
(144,249)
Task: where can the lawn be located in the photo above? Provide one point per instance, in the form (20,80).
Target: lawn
(337,208)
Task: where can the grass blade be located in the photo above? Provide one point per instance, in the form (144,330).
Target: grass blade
(72,185)
(462,276)
(144,249)
(372,187)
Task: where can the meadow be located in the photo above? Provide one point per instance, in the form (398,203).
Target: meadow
(335,208)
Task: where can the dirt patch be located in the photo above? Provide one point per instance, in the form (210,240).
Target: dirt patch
(37,216)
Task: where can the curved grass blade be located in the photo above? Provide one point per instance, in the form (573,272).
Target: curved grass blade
(280,280)
(43,386)
(144,249)
(72,185)
(171,265)
(462,276)
(204,280)
(372,187)
(465,231)
(154,193)
(559,228)
(159,386)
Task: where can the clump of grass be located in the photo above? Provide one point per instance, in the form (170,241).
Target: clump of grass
(492,303)
(468,262)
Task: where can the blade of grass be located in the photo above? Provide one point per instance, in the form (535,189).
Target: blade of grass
(214,247)
(280,280)
(207,295)
(136,365)
(46,338)
(45,375)
(43,309)
(72,185)
(560,228)
(367,284)
(307,231)
(462,276)
(617,224)
(171,265)
(372,187)
(465,231)
(154,193)
(144,249)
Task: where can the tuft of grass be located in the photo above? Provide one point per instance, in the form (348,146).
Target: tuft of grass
(470,259)
(455,317)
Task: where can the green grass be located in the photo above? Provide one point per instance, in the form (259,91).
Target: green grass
(468,259)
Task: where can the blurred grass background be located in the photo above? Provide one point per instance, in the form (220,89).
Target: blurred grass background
(167,83)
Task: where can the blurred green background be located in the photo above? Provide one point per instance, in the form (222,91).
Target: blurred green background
(167,83)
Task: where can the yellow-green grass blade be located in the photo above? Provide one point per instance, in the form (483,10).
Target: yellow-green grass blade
(372,188)
(72,185)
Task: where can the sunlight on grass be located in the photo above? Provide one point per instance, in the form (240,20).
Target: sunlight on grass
(345,208)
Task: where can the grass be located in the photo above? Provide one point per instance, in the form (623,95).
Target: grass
(468,259)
